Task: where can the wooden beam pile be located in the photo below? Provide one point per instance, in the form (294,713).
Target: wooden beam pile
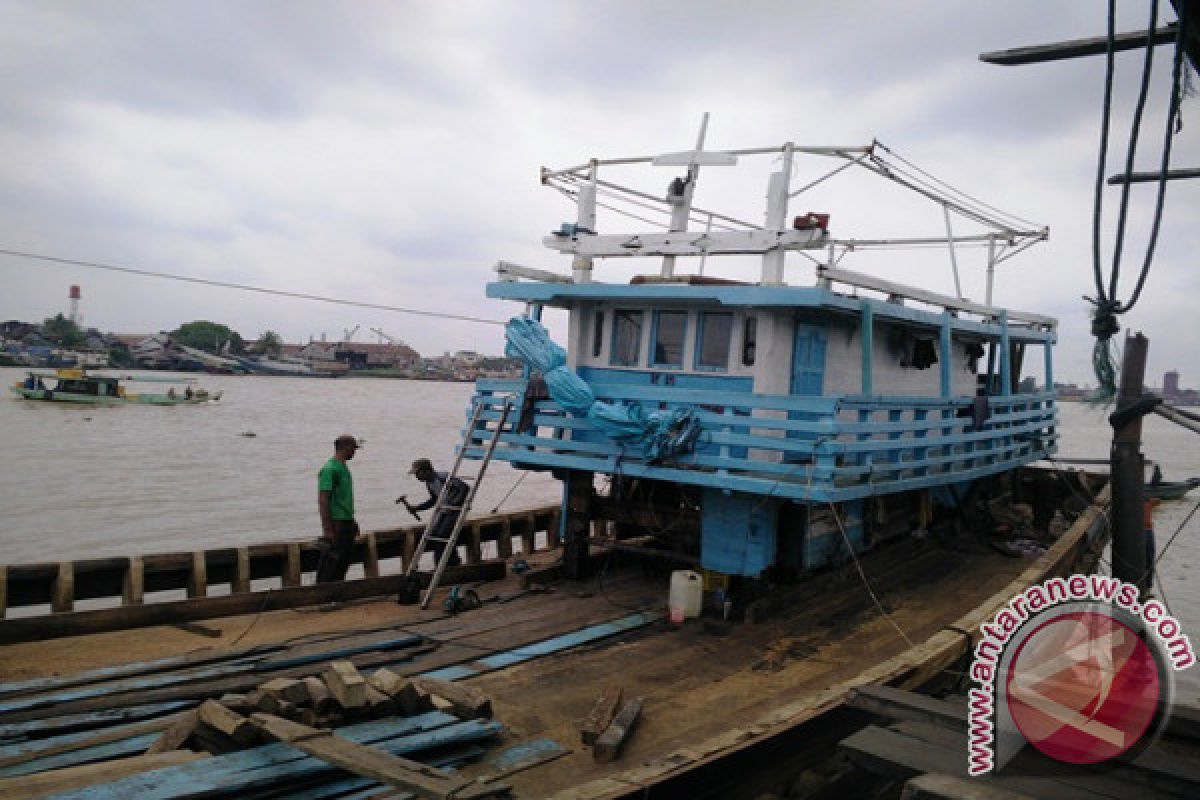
(606,729)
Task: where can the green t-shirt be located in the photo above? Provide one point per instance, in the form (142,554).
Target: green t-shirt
(335,478)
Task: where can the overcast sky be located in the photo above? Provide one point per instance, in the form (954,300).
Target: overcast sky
(389,152)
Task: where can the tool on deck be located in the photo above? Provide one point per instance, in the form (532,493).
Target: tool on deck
(472,433)
(461,599)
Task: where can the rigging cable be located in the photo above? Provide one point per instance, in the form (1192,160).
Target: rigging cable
(1106,306)
(246,288)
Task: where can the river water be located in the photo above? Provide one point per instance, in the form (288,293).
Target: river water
(80,481)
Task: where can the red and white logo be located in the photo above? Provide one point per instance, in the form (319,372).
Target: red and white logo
(1083,687)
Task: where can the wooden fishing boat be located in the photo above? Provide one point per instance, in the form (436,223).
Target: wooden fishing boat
(78,385)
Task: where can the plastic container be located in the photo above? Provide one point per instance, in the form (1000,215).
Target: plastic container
(687,592)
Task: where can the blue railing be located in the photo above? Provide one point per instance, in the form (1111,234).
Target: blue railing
(822,449)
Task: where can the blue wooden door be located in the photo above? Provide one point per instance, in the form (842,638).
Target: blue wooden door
(808,372)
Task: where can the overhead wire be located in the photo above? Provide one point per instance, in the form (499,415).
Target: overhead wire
(145,273)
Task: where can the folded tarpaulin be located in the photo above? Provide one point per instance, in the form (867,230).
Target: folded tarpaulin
(660,434)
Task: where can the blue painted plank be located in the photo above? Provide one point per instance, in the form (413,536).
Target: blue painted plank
(271,764)
(30,749)
(283,660)
(90,720)
(127,670)
(126,685)
(568,640)
(134,745)
(359,787)
(452,673)
(526,752)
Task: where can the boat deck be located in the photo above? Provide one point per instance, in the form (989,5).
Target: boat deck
(709,685)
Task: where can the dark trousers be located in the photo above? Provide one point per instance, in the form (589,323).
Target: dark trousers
(335,553)
(441,530)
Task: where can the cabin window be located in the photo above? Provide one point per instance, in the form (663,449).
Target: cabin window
(712,349)
(749,340)
(597,334)
(627,336)
(670,327)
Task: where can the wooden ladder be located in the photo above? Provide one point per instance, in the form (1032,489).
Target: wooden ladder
(443,505)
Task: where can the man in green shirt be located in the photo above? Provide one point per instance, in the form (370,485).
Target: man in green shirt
(335,501)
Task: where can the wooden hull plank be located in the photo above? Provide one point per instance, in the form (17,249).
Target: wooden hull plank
(545,647)
(272,764)
(24,751)
(19,731)
(133,745)
(311,654)
(127,685)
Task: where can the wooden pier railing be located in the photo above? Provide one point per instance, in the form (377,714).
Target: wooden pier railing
(126,581)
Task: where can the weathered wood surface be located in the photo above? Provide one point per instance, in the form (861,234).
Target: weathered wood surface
(608,745)
(27,787)
(468,703)
(937,786)
(274,766)
(347,686)
(26,629)
(602,713)
(128,579)
(230,723)
(25,751)
(361,759)
(179,731)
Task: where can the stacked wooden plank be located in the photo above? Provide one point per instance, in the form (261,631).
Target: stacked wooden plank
(198,703)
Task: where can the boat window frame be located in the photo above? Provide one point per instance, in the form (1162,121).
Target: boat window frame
(701,328)
(655,325)
(636,315)
(749,340)
(597,333)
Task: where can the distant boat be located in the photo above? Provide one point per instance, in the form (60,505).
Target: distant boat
(282,366)
(1171,490)
(79,386)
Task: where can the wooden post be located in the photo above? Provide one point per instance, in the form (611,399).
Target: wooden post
(578,523)
(241,575)
(529,535)
(504,542)
(1128,542)
(867,313)
(133,587)
(3,591)
(197,585)
(291,568)
(370,556)
(63,598)
(474,544)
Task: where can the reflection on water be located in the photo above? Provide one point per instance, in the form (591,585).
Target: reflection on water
(80,481)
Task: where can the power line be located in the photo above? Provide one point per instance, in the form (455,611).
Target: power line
(245,288)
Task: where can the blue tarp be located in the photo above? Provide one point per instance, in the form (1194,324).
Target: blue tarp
(660,434)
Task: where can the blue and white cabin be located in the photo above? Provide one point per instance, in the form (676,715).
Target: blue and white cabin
(827,414)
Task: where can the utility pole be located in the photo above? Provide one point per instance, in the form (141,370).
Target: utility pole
(1127,470)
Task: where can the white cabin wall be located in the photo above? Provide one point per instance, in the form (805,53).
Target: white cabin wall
(578,327)
(843,365)
(773,359)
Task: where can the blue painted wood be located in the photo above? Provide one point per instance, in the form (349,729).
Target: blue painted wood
(31,749)
(867,327)
(554,644)
(128,670)
(97,719)
(565,295)
(737,533)
(236,667)
(1005,356)
(525,753)
(134,745)
(706,381)
(273,764)
(358,787)
(393,643)
(946,345)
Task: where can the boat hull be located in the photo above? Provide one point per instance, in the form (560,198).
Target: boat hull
(51,396)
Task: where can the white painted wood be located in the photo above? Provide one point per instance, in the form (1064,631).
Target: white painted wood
(704,158)
(509,271)
(685,243)
(934,298)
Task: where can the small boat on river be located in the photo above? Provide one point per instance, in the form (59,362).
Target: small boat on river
(80,386)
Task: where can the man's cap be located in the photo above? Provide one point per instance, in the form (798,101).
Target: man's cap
(420,465)
(346,439)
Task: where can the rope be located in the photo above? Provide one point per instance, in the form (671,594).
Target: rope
(1106,306)
(243,287)
(866,583)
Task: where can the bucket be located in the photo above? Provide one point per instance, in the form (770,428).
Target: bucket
(687,591)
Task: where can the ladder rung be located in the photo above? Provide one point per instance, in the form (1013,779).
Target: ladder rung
(438,539)
(452,508)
